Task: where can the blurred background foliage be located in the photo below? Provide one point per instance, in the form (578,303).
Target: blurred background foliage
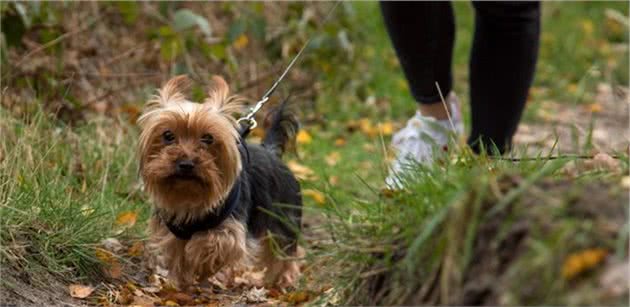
(106,57)
(75,57)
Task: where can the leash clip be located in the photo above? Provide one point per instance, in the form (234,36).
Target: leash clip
(249,118)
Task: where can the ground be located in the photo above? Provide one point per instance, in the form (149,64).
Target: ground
(468,230)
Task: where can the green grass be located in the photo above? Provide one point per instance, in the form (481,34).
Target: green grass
(62,188)
(432,229)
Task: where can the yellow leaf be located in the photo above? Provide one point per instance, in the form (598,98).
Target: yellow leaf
(170,303)
(595,107)
(303,137)
(340,142)
(366,127)
(332,158)
(104,255)
(317,196)
(300,171)
(386,128)
(625,182)
(127,218)
(333,180)
(577,263)
(241,42)
(80,291)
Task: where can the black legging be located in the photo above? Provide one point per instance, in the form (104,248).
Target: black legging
(502,60)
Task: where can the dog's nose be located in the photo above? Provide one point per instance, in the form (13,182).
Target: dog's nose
(185,166)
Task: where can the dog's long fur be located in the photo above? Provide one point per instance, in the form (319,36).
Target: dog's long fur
(218,166)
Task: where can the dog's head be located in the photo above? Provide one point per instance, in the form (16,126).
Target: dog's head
(189,156)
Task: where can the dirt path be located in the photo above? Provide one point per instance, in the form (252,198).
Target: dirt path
(609,117)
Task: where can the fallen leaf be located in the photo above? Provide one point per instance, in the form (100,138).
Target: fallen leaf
(126,219)
(241,42)
(136,249)
(595,108)
(579,262)
(386,128)
(333,180)
(274,293)
(180,298)
(112,266)
(317,196)
(340,142)
(104,255)
(389,193)
(256,295)
(303,137)
(366,127)
(80,291)
(132,111)
(625,182)
(114,270)
(296,297)
(125,297)
(112,244)
(333,158)
(170,303)
(300,171)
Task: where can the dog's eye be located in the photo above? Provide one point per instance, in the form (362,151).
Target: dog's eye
(207,138)
(168,137)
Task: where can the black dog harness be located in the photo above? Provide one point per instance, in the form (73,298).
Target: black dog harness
(185,231)
(211,220)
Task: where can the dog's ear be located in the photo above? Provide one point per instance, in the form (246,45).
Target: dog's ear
(219,99)
(171,92)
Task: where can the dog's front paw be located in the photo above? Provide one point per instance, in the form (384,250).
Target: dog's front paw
(290,276)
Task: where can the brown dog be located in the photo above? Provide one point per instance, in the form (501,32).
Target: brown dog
(215,196)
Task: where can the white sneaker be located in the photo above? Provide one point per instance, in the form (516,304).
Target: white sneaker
(417,142)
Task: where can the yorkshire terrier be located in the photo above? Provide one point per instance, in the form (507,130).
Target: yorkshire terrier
(218,201)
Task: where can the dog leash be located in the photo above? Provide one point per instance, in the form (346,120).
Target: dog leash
(248,122)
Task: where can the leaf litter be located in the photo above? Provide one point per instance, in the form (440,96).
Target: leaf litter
(135,283)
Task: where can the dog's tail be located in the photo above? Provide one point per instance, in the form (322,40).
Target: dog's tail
(281,127)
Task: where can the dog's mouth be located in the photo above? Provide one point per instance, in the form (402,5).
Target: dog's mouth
(185,177)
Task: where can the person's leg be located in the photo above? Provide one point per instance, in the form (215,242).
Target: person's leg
(502,64)
(423,35)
